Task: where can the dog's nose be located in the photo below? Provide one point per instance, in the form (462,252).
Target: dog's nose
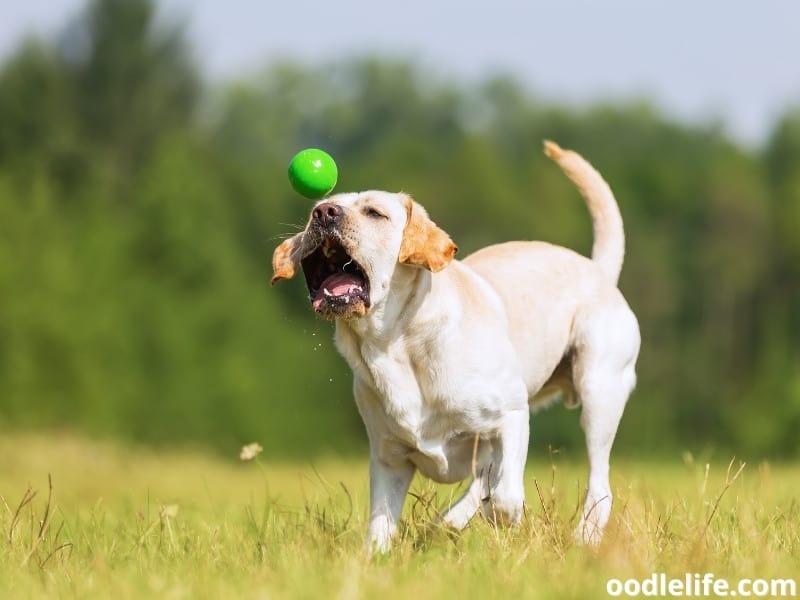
(327,214)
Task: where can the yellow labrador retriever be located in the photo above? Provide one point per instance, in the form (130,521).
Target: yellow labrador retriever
(449,357)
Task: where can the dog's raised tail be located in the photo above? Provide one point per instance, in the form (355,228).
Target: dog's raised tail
(608,250)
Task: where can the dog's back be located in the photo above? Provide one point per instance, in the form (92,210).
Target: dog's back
(547,289)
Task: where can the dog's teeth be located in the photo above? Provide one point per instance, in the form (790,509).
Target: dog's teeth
(326,292)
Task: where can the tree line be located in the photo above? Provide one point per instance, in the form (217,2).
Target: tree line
(139,206)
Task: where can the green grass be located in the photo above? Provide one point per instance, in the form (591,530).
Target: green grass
(125,522)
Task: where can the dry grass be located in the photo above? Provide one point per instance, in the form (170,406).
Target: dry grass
(129,523)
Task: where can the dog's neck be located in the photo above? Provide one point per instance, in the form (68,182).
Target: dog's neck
(381,352)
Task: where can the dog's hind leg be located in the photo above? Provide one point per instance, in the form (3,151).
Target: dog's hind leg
(498,471)
(604,377)
(461,513)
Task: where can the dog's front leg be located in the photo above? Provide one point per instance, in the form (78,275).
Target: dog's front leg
(388,486)
(507,498)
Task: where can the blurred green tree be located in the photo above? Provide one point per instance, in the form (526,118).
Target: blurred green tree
(136,230)
(133,80)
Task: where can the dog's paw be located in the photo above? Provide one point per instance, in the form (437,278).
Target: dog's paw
(504,511)
(380,536)
(588,534)
(596,513)
(378,546)
(458,517)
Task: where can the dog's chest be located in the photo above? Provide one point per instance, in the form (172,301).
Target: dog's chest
(424,398)
(419,419)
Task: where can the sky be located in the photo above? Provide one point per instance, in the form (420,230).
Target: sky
(734,61)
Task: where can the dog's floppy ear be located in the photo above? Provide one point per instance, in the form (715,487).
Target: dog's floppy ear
(424,244)
(287,257)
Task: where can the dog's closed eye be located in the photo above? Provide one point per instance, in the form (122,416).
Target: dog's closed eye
(373,213)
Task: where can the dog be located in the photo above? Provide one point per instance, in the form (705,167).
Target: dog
(450,357)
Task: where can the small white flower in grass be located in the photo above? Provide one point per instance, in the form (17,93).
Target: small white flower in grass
(250,451)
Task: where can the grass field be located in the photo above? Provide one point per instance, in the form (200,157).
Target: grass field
(123,522)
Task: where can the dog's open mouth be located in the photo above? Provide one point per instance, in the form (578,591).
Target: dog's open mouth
(337,284)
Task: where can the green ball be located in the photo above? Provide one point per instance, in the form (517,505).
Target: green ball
(313,173)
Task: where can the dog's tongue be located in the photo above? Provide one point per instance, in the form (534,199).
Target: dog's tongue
(340,284)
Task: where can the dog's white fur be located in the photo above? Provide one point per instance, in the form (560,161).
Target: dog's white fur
(449,357)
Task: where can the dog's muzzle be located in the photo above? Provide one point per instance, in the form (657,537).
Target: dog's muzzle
(337,285)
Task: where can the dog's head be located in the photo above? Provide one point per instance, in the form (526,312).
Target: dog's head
(352,245)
